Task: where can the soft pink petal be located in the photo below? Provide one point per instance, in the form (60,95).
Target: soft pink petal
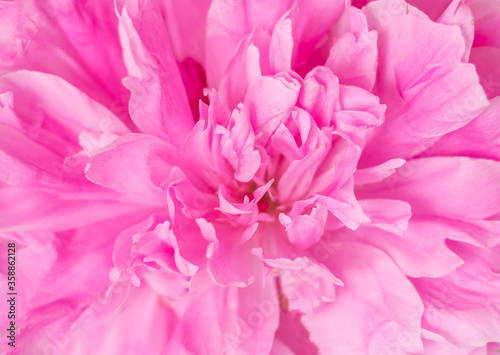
(135,165)
(268,100)
(353,56)
(304,282)
(421,250)
(463,307)
(228,22)
(73,40)
(244,323)
(186,24)
(57,124)
(376,307)
(459,14)
(389,215)
(377,173)
(157,105)
(453,187)
(479,139)
(426,99)
(102,329)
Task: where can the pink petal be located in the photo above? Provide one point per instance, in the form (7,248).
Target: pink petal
(368,314)
(486,20)
(479,139)
(268,100)
(75,41)
(377,173)
(186,24)
(104,330)
(134,165)
(486,59)
(157,105)
(281,46)
(463,306)
(389,215)
(244,323)
(304,282)
(426,99)
(353,56)
(421,251)
(459,14)
(228,22)
(453,187)
(230,261)
(57,124)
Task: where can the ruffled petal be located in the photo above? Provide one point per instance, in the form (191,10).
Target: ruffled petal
(369,315)
(157,105)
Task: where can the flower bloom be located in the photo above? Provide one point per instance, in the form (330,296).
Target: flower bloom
(252,177)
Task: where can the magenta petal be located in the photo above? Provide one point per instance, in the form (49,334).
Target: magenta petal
(186,23)
(251,177)
(486,59)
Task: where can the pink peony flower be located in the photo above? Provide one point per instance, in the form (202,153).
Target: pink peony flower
(251,177)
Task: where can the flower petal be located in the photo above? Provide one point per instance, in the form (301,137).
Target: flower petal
(375,309)
(426,98)
(157,105)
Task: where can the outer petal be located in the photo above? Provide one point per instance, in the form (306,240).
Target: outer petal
(136,165)
(242,321)
(157,105)
(436,345)
(54,268)
(74,40)
(459,14)
(45,146)
(479,139)
(376,311)
(453,187)
(426,99)
(388,215)
(421,250)
(104,330)
(54,113)
(464,306)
